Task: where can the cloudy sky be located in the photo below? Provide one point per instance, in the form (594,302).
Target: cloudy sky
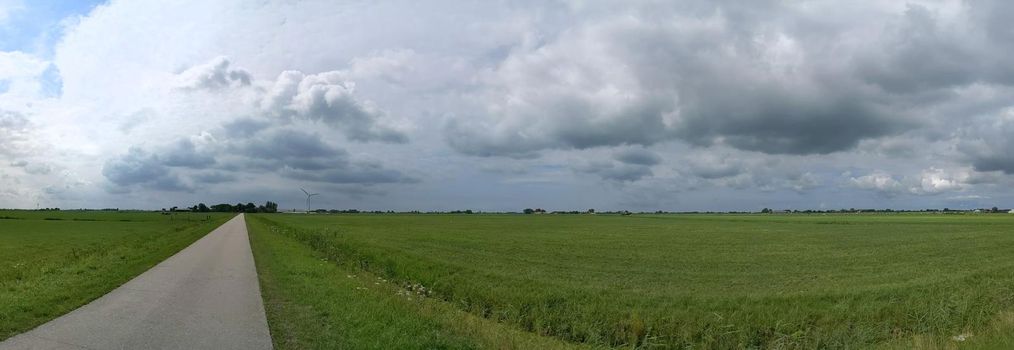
(433,105)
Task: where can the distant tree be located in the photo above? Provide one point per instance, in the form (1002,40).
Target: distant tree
(270,207)
(203,208)
(994,210)
(529,211)
(222,208)
(250,208)
(766,210)
(591,211)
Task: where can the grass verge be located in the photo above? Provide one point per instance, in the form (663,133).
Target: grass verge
(54,264)
(314,303)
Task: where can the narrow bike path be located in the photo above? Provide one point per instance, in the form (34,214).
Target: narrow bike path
(204,297)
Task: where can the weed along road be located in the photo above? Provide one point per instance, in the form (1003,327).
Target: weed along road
(204,297)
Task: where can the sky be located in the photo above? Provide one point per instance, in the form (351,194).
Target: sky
(503,105)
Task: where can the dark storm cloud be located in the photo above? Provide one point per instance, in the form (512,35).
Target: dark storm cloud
(926,52)
(715,168)
(759,76)
(463,136)
(753,84)
(919,56)
(637,156)
(140,168)
(287,144)
(213,177)
(349,174)
(261,149)
(244,127)
(305,156)
(778,122)
(184,154)
(13,133)
(995,16)
(994,162)
(616,171)
(988,147)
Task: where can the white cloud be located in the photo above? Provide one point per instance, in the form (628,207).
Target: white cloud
(328,97)
(878,181)
(20,75)
(213,75)
(934,181)
(931,181)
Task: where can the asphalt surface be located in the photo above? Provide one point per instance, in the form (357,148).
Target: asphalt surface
(204,297)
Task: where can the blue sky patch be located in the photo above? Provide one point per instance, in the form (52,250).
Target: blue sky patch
(36,27)
(52,82)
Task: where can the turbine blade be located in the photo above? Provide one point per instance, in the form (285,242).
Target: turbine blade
(304,191)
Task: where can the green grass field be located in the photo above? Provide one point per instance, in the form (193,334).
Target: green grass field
(54,262)
(667,281)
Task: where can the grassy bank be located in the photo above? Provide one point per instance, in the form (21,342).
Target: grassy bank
(835,281)
(54,262)
(314,303)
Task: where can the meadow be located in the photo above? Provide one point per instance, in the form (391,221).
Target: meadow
(641,281)
(52,262)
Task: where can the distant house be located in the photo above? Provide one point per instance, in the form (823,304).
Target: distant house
(1011,211)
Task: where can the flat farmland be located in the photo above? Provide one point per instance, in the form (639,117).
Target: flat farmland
(52,262)
(643,281)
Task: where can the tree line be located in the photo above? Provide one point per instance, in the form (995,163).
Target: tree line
(268,207)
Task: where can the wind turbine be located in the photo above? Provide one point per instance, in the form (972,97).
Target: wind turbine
(308,195)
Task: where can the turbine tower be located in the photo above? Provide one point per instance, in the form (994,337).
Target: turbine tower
(308,195)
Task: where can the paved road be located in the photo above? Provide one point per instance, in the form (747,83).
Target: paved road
(204,297)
